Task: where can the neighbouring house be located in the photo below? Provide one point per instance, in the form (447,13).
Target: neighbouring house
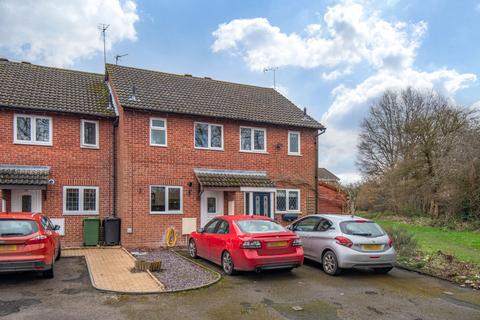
(159,150)
(331,197)
(55,144)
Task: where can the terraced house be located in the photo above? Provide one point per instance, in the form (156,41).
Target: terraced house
(158,150)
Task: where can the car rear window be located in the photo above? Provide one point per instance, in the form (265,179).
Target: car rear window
(361,228)
(17,228)
(259,226)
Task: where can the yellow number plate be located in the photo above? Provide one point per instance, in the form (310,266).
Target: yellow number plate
(372,247)
(8,247)
(277,244)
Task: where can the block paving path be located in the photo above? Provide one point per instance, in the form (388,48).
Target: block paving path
(111,270)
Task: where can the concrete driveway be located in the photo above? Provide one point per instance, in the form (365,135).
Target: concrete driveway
(354,295)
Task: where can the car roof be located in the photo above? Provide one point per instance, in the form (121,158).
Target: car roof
(340,217)
(243,217)
(19,215)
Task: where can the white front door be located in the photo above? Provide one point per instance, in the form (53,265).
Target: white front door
(211,205)
(26,200)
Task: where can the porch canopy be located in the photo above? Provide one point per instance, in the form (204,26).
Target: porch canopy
(20,175)
(234,180)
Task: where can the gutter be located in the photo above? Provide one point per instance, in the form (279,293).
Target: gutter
(320,132)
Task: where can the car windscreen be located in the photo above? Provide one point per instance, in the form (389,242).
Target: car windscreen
(17,228)
(361,228)
(259,226)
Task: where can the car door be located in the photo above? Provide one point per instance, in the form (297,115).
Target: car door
(305,228)
(321,237)
(204,239)
(55,235)
(218,240)
(48,228)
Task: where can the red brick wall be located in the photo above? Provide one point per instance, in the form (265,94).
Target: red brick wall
(142,165)
(331,199)
(70,165)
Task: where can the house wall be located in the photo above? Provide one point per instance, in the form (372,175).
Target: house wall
(141,165)
(331,199)
(70,165)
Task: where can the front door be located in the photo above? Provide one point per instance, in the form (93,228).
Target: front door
(261,204)
(211,205)
(26,200)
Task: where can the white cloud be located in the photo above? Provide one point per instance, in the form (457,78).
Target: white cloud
(350,34)
(57,32)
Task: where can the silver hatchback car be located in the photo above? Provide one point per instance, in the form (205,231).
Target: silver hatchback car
(344,241)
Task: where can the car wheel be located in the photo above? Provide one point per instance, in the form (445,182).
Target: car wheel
(48,274)
(59,254)
(227,264)
(192,249)
(382,270)
(330,264)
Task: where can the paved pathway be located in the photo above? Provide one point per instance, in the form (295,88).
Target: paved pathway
(111,270)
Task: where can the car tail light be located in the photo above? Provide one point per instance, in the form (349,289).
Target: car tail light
(253,244)
(37,240)
(297,242)
(390,242)
(343,241)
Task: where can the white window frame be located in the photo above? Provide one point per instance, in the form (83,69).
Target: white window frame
(299,152)
(33,132)
(80,211)
(164,128)
(287,199)
(82,135)
(167,211)
(209,135)
(252,139)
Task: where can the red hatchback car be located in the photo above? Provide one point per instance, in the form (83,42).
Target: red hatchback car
(247,243)
(28,242)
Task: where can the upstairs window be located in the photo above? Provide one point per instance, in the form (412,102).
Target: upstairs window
(158,132)
(288,200)
(253,139)
(208,136)
(89,134)
(32,130)
(294,143)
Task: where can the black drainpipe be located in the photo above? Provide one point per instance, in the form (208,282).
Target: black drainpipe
(114,166)
(321,131)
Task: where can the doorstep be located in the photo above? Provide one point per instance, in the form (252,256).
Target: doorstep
(111,268)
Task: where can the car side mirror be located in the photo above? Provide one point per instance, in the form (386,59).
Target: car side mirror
(56,227)
(200,230)
(291,228)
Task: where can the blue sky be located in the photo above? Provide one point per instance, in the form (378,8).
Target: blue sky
(334,57)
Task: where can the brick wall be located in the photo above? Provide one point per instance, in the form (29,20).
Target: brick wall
(70,165)
(141,165)
(331,199)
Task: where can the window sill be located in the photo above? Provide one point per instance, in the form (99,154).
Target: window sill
(158,145)
(211,149)
(260,152)
(287,212)
(83,146)
(157,213)
(28,143)
(295,154)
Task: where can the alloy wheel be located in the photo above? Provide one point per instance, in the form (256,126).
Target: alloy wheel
(192,249)
(330,263)
(227,263)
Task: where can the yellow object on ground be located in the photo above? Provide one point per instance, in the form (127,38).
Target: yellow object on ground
(111,270)
(171,237)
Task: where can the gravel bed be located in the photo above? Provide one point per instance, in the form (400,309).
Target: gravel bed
(177,273)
